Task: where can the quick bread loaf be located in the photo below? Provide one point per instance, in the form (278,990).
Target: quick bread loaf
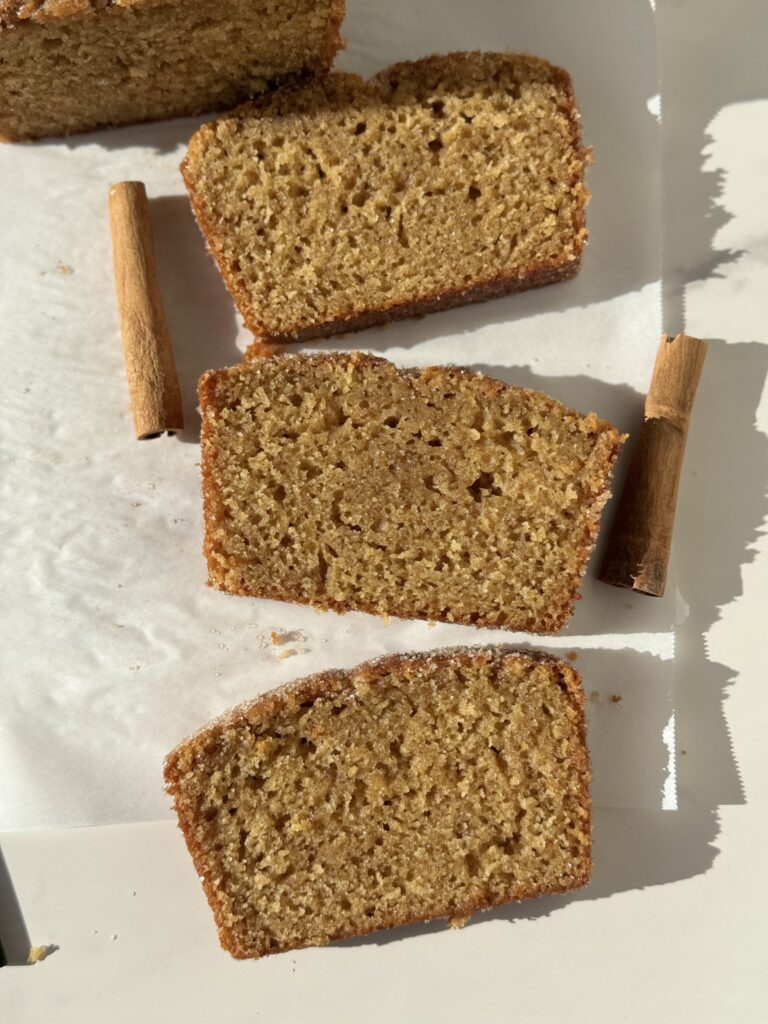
(413,787)
(343,203)
(340,481)
(72,65)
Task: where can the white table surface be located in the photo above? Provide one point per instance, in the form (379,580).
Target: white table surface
(674,927)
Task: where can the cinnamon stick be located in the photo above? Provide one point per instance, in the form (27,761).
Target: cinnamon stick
(637,554)
(149,365)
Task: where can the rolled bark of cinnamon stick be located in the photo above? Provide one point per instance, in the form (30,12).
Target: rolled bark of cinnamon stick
(149,364)
(637,554)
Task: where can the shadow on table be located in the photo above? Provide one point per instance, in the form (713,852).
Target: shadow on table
(723,504)
(201,314)
(160,136)
(634,846)
(723,497)
(723,63)
(632,850)
(14,938)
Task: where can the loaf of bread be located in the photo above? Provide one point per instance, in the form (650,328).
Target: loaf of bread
(340,481)
(71,65)
(341,204)
(414,787)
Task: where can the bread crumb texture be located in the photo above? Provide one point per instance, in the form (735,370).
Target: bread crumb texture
(72,65)
(340,481)
(343,203)
(415,787)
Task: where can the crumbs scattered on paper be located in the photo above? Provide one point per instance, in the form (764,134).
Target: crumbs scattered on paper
(285,636)
(39,953)
(458,922)
(572,655)
(280,637)
(64,268)
(614,699)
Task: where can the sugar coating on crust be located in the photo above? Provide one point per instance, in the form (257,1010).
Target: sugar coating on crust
(411,787)
(340,481)
(343,203)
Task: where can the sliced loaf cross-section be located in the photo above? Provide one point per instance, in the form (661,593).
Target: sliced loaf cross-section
(74,65)
(340,481)
(414,787)
(343,203)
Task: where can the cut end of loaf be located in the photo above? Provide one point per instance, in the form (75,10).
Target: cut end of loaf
(342,482)
(75,66)
(340,204)
(414,787)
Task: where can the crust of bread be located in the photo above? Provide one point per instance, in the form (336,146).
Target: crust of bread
(332,683)
(214,510)
(494,288)
(534,276)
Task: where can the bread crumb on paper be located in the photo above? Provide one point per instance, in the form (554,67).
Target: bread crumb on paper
(284,636)
(279,637)
(458,922)
(39,953)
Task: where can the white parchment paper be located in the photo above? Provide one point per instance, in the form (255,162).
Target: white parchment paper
(113,648)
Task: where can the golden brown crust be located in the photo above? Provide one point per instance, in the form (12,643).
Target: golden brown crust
(334,682)
(230,944)
(534,276)
(495,288)
(214,510)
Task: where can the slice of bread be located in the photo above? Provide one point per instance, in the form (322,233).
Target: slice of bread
(72,65)
(341,204)
(338,480)
(413,787)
